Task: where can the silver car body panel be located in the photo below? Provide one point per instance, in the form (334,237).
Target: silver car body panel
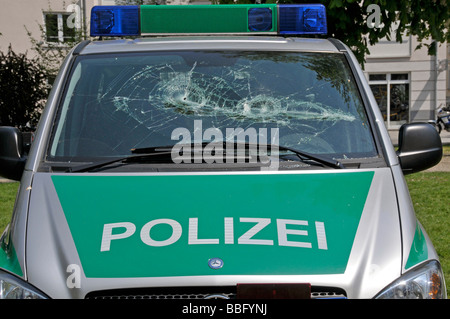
(44,245)
(373,263)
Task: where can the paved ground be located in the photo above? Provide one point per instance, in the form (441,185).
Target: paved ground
(445,137)
(443,166)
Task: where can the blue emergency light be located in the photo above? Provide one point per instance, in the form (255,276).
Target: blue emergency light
(115,21)
(295,19)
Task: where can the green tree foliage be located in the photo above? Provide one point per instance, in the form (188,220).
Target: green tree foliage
(347,21)
(23,90)
(51,54)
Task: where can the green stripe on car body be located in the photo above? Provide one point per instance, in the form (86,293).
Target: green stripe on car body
(419,249)
(8,259)
(171,225)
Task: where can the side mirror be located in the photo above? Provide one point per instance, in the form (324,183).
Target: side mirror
(420,147)
(12,159)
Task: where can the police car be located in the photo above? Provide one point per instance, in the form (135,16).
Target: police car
(211,151)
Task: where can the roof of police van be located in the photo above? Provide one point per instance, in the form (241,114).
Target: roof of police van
(209,43)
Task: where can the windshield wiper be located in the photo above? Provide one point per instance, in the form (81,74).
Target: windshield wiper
(153,157)
(326,161)
(163,154)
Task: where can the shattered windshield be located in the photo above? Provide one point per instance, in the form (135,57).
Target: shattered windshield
(114,104)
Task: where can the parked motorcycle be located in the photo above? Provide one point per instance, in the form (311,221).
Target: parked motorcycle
(443,119)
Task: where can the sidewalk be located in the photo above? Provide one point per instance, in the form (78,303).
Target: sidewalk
(445,137)
(4,180)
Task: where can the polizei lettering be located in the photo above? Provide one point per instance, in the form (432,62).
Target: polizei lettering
(290,232)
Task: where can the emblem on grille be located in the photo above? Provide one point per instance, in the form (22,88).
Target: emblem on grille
(215,263)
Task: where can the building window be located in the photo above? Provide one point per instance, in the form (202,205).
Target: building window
(391,90)
(57,30)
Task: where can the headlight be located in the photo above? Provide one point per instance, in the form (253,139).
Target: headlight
(425,281)
(12,287)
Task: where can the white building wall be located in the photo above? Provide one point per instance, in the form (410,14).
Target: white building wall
(18,16)
(427,75)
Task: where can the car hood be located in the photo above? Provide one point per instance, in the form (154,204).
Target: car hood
(90,232)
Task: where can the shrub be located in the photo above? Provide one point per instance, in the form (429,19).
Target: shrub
(23,90)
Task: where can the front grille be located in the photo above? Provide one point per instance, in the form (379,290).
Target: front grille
(190,293)
(172,293)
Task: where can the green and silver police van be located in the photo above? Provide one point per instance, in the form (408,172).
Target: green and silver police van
(215,152)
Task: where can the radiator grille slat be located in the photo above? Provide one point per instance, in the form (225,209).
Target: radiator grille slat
(192,293)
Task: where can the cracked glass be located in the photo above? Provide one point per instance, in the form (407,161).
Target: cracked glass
(116,103)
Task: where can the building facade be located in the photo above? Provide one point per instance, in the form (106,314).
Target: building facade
(49,21)
(408,84)
(52,21)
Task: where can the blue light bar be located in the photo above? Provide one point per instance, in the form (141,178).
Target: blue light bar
(115,21)
(260,19)
(128,20)
(302,19)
